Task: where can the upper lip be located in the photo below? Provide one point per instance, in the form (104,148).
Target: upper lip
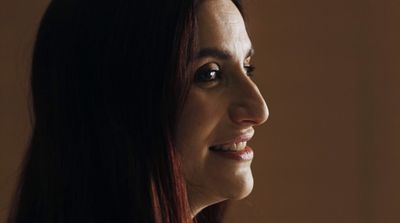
(241,137)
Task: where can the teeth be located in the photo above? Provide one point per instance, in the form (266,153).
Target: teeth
(230,147)
(240,146)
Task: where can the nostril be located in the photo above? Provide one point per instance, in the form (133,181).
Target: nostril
(249,114)
(249,121)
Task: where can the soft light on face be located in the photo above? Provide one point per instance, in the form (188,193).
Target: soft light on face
(222,108)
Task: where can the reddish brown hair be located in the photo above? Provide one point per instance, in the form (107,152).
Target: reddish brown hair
(109,79)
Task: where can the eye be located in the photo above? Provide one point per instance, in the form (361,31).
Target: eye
(249,70)
(207,73)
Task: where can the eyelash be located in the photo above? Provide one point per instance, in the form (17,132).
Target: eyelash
(249,72)
(207,70)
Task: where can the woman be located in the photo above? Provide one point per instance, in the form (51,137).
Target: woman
(142,110)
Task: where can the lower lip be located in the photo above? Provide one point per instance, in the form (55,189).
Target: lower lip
(245,155)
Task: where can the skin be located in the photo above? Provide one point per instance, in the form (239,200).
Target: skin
(219,107)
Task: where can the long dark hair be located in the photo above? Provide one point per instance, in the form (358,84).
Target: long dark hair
(108,81)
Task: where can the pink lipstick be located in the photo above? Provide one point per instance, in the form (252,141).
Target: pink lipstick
(246,154)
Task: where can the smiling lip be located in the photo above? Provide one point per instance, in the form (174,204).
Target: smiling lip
(246,154)
(244,137)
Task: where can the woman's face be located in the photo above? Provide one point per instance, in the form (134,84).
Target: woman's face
(222,107)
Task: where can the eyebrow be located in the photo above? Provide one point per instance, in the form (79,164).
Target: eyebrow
(219,53)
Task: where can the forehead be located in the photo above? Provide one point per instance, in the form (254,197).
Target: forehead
(220,25)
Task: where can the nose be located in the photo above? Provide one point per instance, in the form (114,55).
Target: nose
(247,107)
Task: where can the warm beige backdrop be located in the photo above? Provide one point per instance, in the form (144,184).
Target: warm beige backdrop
(330,72)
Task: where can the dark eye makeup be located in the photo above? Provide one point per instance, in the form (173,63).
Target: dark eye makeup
(207,73)
(211,73)
(249,70)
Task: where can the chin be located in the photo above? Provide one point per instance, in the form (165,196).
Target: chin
(245,190)
(240,188)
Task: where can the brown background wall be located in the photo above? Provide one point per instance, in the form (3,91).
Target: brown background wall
(329,70)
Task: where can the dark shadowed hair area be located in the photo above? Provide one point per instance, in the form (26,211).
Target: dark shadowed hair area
(109,80)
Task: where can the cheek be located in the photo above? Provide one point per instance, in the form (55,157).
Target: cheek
(196,128)
(201,115)
(203,120)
